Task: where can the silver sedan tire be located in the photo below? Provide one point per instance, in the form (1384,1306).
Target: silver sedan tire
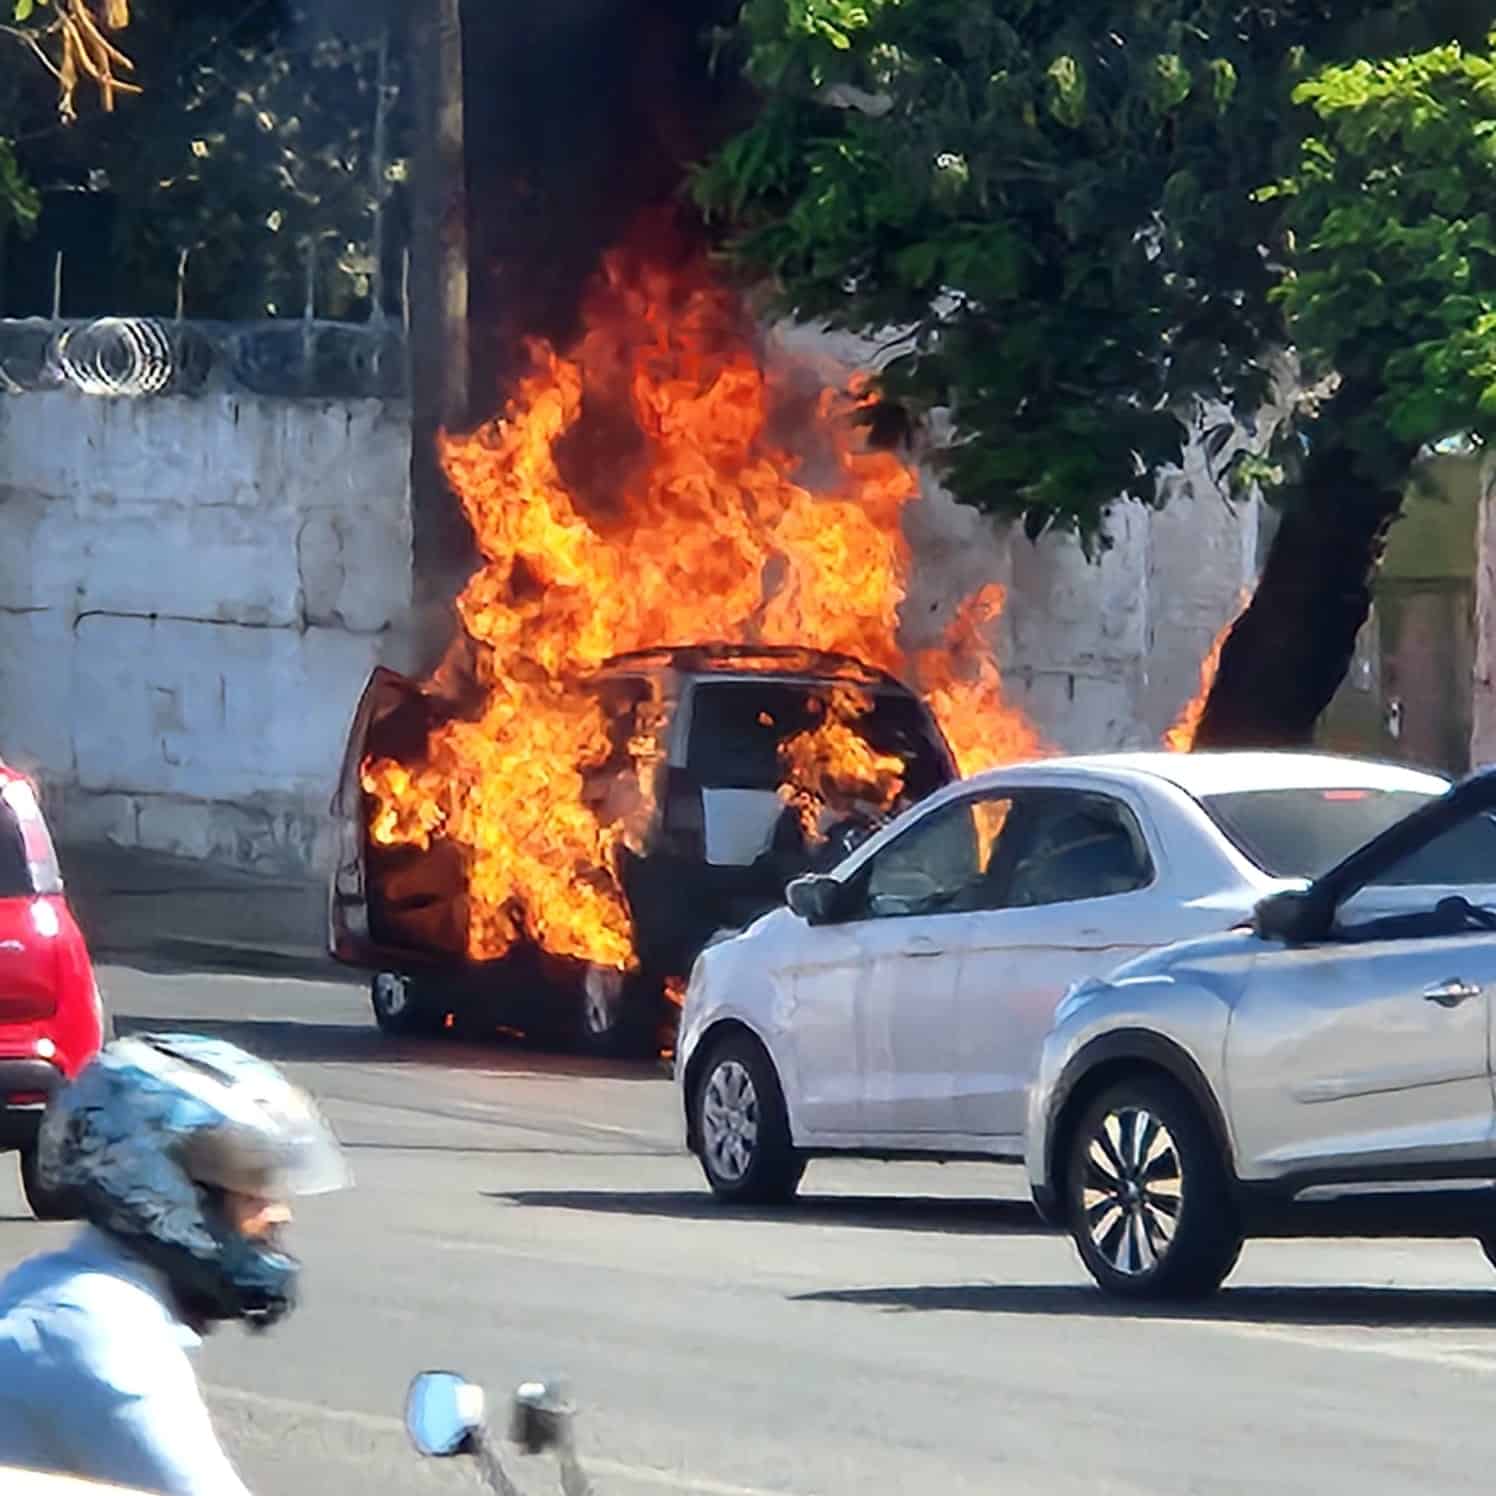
(741,1126)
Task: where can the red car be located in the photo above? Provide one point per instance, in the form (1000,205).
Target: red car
(52,1019)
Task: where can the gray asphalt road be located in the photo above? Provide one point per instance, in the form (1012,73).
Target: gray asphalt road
(905,1329)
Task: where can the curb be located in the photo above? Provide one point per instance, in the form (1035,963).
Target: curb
(178,953)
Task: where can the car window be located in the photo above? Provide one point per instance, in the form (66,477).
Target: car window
(618,787)
(1445,887)
(737,728)
(15,874)
(949,863)
(1465,854)
(1301,833)
(1079,846)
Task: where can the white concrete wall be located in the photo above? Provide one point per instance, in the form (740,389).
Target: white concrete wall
(1101,653)
(192,593)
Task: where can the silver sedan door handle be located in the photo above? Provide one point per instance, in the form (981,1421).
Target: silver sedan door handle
(1450,994)
(922,945)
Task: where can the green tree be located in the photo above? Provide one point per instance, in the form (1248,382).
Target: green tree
(1061,201)
(1390,295)
(255,156)
(259,166)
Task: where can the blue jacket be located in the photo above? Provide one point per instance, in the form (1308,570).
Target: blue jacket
(94,1376)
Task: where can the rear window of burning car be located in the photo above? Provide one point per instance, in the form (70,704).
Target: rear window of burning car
(738,727)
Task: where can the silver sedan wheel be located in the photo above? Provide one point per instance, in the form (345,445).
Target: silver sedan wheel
(1133,1190)
(729,1121)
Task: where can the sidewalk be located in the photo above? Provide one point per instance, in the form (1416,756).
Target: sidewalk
(133,905)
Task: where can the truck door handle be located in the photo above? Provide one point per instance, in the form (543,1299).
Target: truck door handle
(922,945)
(1450,994)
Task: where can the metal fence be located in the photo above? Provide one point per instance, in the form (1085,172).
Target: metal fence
(140,357)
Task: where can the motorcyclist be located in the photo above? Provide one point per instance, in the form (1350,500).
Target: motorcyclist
(181,1153)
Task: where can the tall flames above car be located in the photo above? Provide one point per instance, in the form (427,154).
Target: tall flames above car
(656,484)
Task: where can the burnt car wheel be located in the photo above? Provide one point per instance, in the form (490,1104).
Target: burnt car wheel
(400,1008)
(742,1127)
(1149,1203)
(601,1010)
(614,1014)
(46,1204)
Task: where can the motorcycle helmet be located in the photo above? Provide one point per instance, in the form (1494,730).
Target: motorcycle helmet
(150,1136)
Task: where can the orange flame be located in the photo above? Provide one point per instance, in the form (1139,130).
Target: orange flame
(729,505)
(1180,738)
(832,767)
(963,687)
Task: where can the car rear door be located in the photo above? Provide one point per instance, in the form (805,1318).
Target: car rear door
(350,937)
(1368,1051)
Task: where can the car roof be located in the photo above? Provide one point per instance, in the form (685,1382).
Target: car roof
(1201,775)
(750,660)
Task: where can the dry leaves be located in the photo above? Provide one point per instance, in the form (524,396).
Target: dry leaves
(73,47)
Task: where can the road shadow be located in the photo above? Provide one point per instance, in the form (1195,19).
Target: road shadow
(932,1213)
(279,1039)
(1356,1308)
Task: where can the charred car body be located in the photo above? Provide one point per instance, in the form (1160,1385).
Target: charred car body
(718,848)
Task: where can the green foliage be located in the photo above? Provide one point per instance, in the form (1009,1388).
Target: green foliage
(251,148)
(1390,202)
(1061,199)
(20,203)
(263,158)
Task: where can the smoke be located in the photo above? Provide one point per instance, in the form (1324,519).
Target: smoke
(582,115)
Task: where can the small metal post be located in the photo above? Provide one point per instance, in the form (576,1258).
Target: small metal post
(377,167)
(182,259)
(309,312)
(57,288)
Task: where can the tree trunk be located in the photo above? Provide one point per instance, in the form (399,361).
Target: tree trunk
(440,370)
(1287,654)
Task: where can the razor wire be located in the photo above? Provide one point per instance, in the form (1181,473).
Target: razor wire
(142,357)
(119,356)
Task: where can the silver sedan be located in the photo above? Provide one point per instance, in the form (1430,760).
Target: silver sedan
(1327,1070)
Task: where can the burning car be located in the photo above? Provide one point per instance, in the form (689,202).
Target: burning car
(720,773)
(545,832)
